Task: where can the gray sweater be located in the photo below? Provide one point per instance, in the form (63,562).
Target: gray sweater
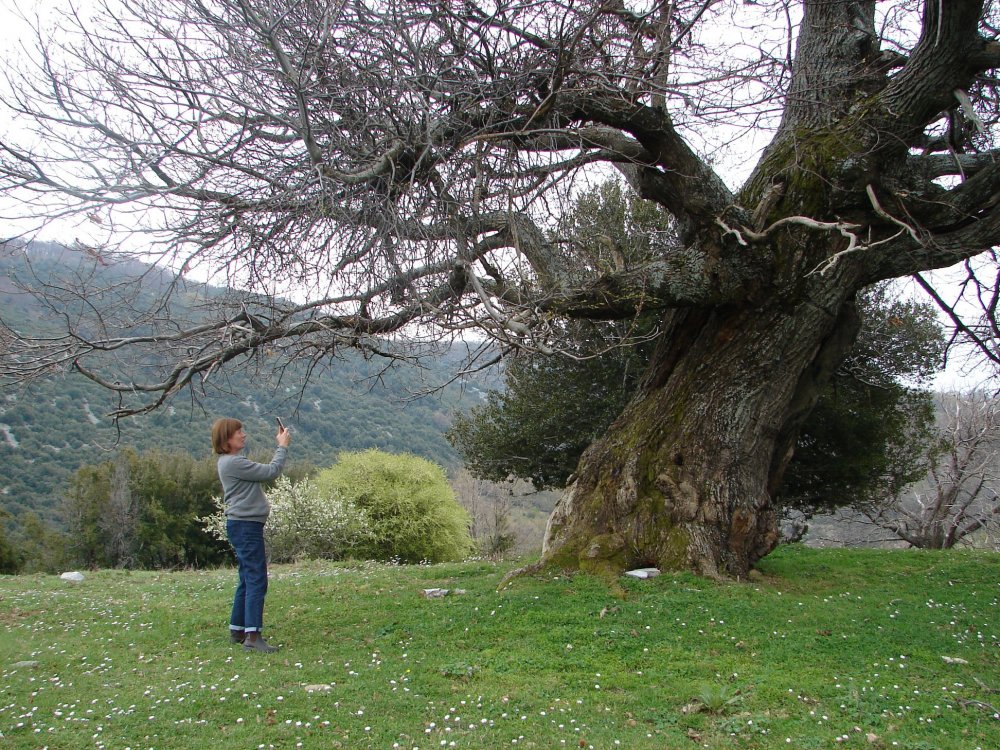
(241,485)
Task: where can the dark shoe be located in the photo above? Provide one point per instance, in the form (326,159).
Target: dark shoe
(236,636)
(259,644)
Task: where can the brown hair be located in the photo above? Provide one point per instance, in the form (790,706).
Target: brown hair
(222,430)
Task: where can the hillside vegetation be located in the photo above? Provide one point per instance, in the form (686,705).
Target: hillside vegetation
(49,430)
(826,648)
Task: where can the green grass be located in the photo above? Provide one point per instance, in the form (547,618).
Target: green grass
(825,649)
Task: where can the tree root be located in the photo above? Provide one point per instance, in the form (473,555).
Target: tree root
(526,570)
(534,568)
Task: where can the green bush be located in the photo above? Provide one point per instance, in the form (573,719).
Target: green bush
(411,508)
(305,523)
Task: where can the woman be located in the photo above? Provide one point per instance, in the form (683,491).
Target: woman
(247,509)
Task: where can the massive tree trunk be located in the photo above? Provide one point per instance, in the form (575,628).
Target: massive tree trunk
(682,477)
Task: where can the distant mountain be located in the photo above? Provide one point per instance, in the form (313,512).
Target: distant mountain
(49,430)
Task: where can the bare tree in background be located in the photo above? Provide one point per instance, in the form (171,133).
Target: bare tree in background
(959,499)
(377,176)
(120,520)
(489,505)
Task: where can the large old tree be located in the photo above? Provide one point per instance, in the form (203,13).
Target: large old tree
(369,173)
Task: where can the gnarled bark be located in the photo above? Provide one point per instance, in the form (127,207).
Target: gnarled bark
(681,479)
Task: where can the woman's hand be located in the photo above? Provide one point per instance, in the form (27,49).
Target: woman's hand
(284,437)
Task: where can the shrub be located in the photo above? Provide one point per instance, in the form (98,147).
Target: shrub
(306,523)
(411,508)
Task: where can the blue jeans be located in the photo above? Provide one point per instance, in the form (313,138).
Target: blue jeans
(247,538)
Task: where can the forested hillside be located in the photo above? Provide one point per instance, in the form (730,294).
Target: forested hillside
(50,429)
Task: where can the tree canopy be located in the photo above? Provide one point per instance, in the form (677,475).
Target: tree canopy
(392,168)
(396,163)
(139,511)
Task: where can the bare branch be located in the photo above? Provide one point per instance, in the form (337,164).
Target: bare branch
(402,167)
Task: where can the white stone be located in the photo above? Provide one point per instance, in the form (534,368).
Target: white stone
(72,575)
(643,572)
(318,688)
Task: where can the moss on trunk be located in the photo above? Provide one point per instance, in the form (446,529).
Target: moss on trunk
(680,481)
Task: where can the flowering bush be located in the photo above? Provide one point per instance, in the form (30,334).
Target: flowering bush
(305,522)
